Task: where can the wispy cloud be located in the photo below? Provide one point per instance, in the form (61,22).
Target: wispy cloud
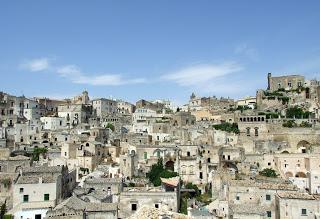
(202,74)
(248,51)
(75,75)
(36,65)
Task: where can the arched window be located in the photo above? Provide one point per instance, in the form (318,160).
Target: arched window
(248,131)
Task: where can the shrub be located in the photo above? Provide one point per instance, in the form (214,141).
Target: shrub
(157,171)
(297,112)
(289,124)
(305,124)
(268,172)
(36,153)
(227,127)
(110,126)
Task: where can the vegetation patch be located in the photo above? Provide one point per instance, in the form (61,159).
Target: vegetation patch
(268,172)
(227,127)
(158,171)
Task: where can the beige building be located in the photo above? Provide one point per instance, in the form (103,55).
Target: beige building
(294,205)
(288,82)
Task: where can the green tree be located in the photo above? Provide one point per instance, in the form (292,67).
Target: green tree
(157,171)
(297,112)
(36,153)
(289,124)
(3,210)
(268,172)
(110,126)
(227,127)
(194,187)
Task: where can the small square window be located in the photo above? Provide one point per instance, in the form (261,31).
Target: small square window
(238,198)
(133,207)
(25,198)
(303,211)
(156,205)
(268,197)
(21,190)
(46,197)
(268,213)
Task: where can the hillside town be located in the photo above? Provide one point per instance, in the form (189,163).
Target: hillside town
(211,158)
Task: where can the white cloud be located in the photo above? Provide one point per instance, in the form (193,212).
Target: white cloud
(246,50)
(75,75)
(200,75)
(36,65)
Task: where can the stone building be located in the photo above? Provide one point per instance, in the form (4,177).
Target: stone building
(125,108)
(104,106)
(75,113)
(131,199)
(296,205)
(75,208)
(288,82)
(39,189)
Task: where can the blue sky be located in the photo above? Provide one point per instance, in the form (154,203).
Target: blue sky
(154,49)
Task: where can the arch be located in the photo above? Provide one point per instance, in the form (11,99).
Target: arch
(301,175)
(303,143)
(303,146)
(289,174)
(169,165)
(285,152)
(230,165)
(157,152)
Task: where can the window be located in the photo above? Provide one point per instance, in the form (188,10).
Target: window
(133,207)
(248,131)
(299,84)
(156,205)
(158,153)
(268,197)
(46,197)
(238,197)
(25,198)
(268,213)
(145,155)
(289,84)
(200,175)
(21,190)
(188,153)
(256,131)
(303,211)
